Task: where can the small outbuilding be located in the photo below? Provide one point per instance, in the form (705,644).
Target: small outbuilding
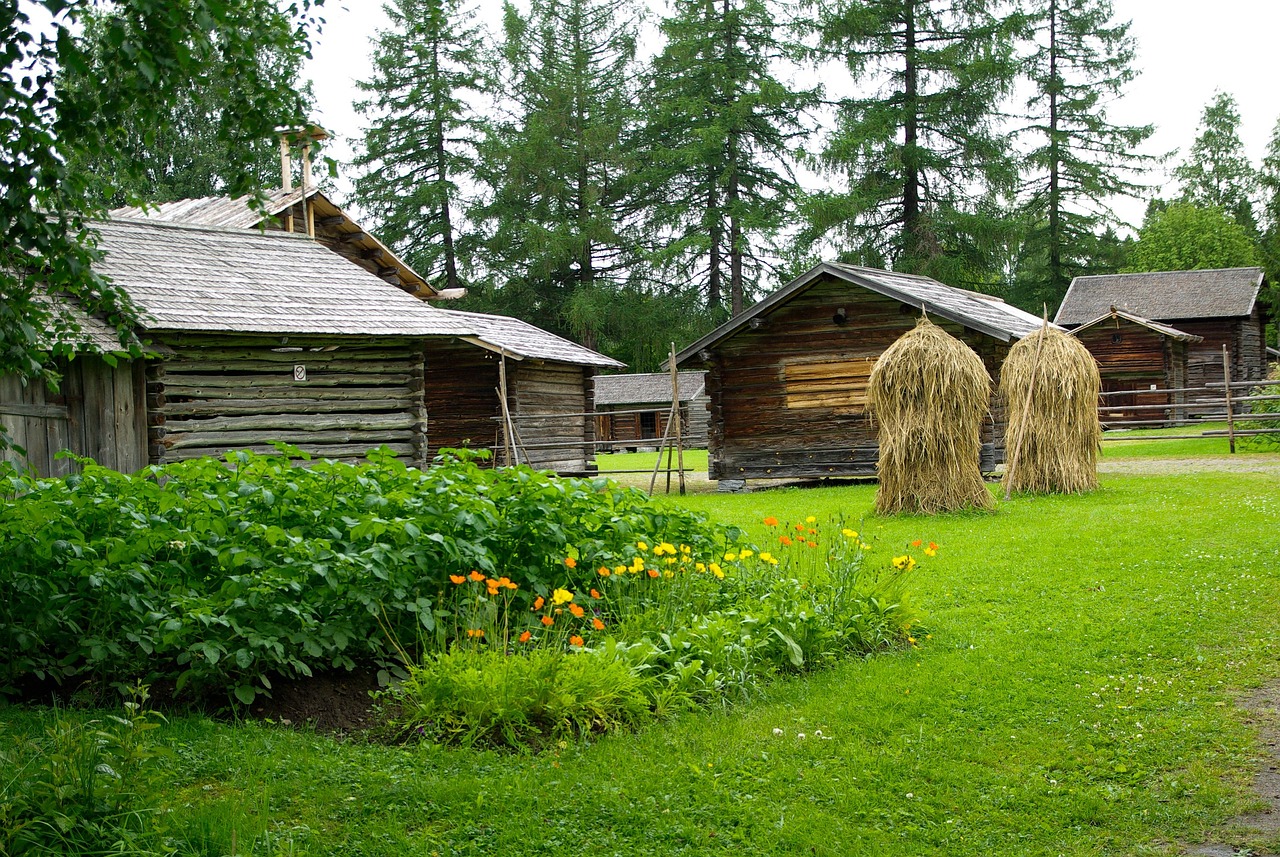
(1134,355)
(1219,307)
(787,379)
(633,410)
(256,337)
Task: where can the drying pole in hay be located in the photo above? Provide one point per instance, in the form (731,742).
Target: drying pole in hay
(1054,435)
(929,394)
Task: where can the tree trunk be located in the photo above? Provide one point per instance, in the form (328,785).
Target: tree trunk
(442,174)
(912,227)
(1057,277)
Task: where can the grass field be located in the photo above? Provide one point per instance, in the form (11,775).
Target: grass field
(1074,692)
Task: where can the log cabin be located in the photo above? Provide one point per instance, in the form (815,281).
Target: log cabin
(1219,306)
(633,410)
(787,379)
(256,337)
(1141,357)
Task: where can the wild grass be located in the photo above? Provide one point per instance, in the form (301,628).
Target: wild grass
(1074,692)
(1157,443)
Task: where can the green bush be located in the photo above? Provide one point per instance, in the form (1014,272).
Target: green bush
(1264,442)
(219,575)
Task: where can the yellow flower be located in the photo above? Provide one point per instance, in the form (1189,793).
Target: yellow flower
(864,546)
(715,569)
(642,546)
(746,552)
(730,557)
(561,596)
(619,569)
(701,566)
(848,533)
(930,552)
(765,556)
(811,519)
(685,549)
(665,547)
(906,562)
(670,560)
(668,574)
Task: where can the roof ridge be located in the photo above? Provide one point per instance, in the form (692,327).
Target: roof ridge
(151,223)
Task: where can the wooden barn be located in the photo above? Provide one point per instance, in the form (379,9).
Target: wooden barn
(1220,307)
(636,408)
(1136,354)
(261,337)
(787,379)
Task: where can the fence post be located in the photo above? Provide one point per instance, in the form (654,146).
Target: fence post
(1226,377)
(675,410)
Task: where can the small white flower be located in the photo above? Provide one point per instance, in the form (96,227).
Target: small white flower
(777,733)
(910,795)
(817,733)
(800,735)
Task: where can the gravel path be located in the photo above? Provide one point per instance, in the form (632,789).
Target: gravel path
(1219,463)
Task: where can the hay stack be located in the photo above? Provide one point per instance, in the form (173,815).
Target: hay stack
(1050,384)
(929,394)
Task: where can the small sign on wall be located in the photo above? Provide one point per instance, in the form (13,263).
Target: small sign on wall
(299,372)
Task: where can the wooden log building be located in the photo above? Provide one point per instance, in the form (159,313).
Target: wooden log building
(787,379)
(1136,354)
(1218,306)
(633,410)
(267,336)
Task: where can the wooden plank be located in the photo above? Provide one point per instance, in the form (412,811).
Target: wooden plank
(27,409)
(179,381)
(316,364)
(319,450)
(237,439)
(300,422)
(336,404)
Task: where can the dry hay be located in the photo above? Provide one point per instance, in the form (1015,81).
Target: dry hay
(929,393)
(1052,442)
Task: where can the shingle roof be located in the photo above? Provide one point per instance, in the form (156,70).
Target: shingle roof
(93,334)
(647,388)
(524,340)
(979,312)
(225,211)
(1164,295)
(203,278)
(1162,329)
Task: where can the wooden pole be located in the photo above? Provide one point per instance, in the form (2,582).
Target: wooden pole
(657,465)
(1226,377)
(675,408)
(508,430)
(1026,412)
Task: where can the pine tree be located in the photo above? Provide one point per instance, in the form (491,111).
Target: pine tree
(719,133)
(924,163)
(1216,174)
(1269,246)
(1079,160)
(559,217)
(420,146)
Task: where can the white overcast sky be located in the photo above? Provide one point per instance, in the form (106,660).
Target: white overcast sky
(1187,49)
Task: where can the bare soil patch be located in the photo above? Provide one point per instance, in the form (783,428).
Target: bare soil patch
(333,702)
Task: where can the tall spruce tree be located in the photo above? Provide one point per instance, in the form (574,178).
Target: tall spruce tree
(923,161)
(1216,173)
(1269,245)
(1078,160)
(719,132)
(559,214)
(419,148)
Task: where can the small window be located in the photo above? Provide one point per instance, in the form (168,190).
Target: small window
(1116,337)
(648,424)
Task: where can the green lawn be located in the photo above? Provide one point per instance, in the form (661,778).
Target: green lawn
(1074,693)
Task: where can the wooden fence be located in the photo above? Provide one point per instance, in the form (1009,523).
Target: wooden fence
(1121,411)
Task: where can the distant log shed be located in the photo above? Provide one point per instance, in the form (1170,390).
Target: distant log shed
(1219,306)
(1136,354)
(633,410)
(787,379)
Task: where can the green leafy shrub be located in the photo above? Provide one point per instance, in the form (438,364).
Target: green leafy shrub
(1264,442)
(220,575)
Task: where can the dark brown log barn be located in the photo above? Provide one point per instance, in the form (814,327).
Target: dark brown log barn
(1137,354)
(639,406)
(268,336)
(787,379)
(1218,306)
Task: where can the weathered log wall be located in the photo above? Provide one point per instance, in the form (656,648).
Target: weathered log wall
(461,397)
(96,412)
(335,397)
(787,398)
(548,402)
(1242,336)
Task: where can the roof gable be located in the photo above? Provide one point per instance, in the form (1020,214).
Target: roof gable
(1163,295)
(983,313)
(1162,329)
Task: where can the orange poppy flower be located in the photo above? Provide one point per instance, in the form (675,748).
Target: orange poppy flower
(493,587)
(576,610)
(538,602)
(653,572)
(570,562)
(575,640)
(595,594)
(771,521)
(475,632)
(933,546)
(476,576)
(916,543)
(457,578)
(548,621)
(799,528)
(786,541)
(526,637)
(597,624)
(603,572)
